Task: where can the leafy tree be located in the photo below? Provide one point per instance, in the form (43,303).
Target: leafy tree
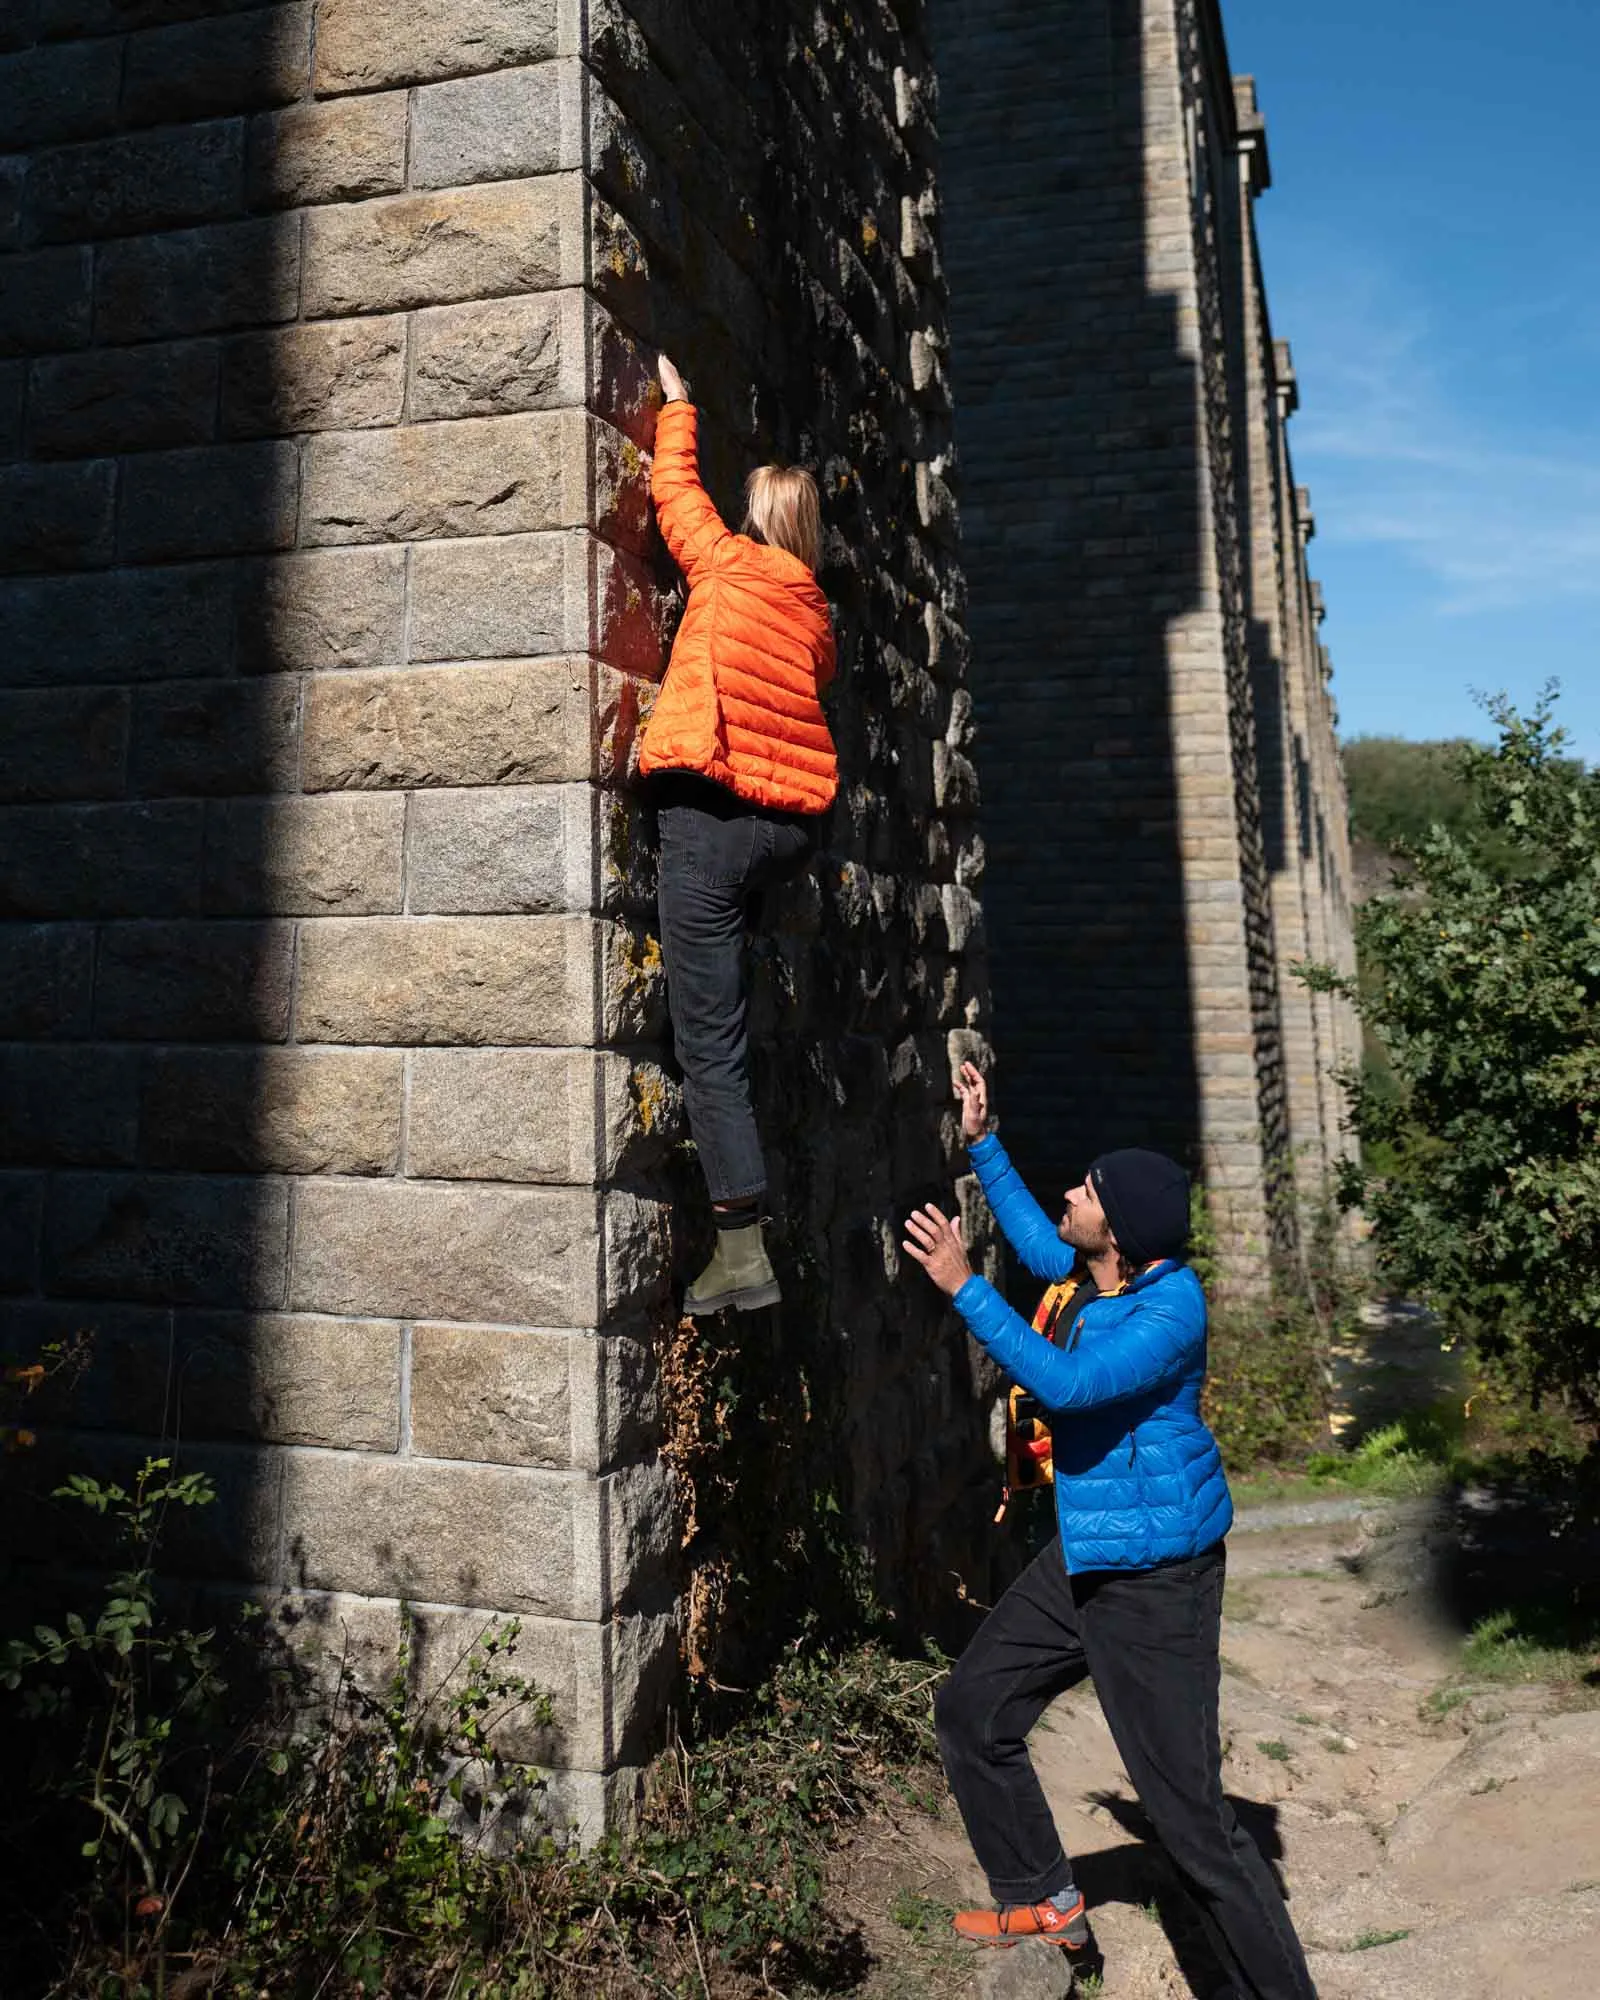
(1400,790)
(1481,980)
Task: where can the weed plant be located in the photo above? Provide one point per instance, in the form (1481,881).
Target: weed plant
(378,1841)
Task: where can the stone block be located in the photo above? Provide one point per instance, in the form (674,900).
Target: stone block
(46,980)
(13,183)
(67,1107)
(143,181)
(511,1397)
(61,18)
(498,355)
(45,302)
(233,499)
(508,850)
(523,1542)
(517,721)
(13,381)
(431,1532)
(166,1239)
(335,375)
(198,69)
(202,982)
(486,476)
(503,126)
(55,517)
(120,860)
(330,608)
(402,1250)
(631,609)
(500,598)
(192,738)
(291,1111)
(338,855)
(66,745)
(346,150)
(429,249)
(127,399)
(493,1395)
(453,980)
(130,625)
(364,45)
(622,378)
(632,1658)
(636,1254)
(21,1210)
(504,1115)
(277,1378)
(58,91)
(198,280)
(641,1115)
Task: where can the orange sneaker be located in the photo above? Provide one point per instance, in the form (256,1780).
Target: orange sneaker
(1016,1921)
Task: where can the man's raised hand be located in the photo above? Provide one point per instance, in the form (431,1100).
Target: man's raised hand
(936,1243)
(973,1089)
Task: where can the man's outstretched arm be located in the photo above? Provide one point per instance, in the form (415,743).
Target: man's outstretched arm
(1152,1346)
(1024,1224)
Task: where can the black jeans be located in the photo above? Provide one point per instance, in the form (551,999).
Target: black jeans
(716,852)
(1150,1640)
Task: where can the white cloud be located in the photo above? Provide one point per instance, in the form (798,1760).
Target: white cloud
(1406,444)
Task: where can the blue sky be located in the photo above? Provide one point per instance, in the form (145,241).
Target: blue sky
(1432,252)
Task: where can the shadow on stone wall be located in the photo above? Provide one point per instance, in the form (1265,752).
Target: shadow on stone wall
(1080,490)
(775,208)
(150,692)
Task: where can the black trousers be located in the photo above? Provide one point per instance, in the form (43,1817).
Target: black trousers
(715,854)
(1150,1640)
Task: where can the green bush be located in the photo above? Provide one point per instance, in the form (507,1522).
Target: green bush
(1482,982)
(379,1843)
(1266,1395)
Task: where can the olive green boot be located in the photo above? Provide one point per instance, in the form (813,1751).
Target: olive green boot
(739,1275)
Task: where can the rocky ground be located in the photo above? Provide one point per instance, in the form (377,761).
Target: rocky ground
(1438,1837)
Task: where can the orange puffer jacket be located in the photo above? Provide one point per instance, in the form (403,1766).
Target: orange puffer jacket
(739,704)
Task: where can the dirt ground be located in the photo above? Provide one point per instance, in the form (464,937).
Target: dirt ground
(1436,1840)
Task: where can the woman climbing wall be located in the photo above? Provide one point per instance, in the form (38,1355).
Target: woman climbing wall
(740,762)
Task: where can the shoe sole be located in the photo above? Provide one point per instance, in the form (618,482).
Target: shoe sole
(746,1298)
(1034,1937)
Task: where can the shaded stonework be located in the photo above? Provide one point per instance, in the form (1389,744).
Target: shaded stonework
(1162,801)
(336,1102)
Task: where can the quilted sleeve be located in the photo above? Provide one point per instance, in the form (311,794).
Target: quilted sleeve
(1027,1228)
(828,662)
(1152,1345)
(691,527)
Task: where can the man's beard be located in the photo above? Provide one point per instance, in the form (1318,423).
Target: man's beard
(1081,1240)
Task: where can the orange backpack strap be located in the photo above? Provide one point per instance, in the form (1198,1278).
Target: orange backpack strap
(1030,1461)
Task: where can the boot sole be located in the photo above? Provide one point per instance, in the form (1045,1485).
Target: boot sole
(744,1298)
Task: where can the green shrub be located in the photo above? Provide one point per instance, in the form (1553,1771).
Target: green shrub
(378,1843)
(1266,1394)
(1482,983)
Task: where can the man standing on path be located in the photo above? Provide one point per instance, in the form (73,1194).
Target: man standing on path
(1131,1593)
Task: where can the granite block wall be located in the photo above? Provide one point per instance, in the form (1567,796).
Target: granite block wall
(1160,781)
(334,1100)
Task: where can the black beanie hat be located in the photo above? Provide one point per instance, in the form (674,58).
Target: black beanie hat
(1146,1200)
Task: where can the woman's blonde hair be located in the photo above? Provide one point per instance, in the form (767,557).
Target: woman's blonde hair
(782,507)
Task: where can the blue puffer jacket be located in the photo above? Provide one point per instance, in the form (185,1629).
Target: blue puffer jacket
(1138,1476)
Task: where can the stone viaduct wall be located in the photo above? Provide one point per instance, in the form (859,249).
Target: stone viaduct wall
(331,1096)
(1162,798)
(334,1099)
